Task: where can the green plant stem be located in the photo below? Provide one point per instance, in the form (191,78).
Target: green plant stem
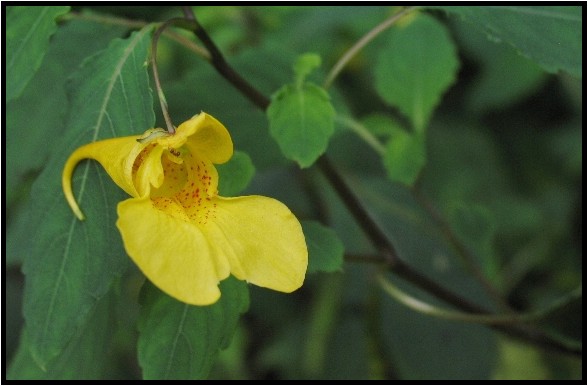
(358,46)
(363,133)
(428,309)
(162,101)
(390,258)
(175,21)
(488,319)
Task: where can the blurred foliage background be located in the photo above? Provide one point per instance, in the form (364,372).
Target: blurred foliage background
(504,169)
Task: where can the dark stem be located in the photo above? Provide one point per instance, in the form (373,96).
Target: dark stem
(220,64)
(371,229)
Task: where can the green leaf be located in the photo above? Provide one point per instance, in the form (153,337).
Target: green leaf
(472,223)
(71,264)
(180,341)
(325,250)
(31,137)
(493,87)
(28,133)
(235,175)
(416,67)
(304,65)
(474,226)
(302,120)
(549,35)
(86,356)
(27,37)
(496,88)
(405,156)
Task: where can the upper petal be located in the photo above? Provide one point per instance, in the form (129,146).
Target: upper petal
(204,136)
(116,155)
(170,250)
(261,239)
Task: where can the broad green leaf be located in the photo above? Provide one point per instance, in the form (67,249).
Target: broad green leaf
(180,341)
(36,119)
(474,227)
(549,35)
(445,179)
(31,137)
(28,30)
(86,356)
(304,65)
(486,181)
(472,223)
(302,122)
(71,264)
(325,250)
(495,87)
(405,156)
(235,175)
(415,68)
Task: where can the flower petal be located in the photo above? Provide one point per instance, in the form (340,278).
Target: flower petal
(116,155)
(261,239)
(149,170)
(171,251)
(204,136)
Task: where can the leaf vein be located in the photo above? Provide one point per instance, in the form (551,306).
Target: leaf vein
(175,342)
(28,36)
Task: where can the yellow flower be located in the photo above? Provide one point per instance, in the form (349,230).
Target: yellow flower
(178,230)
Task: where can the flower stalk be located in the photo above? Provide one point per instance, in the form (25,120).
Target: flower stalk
(162,101)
